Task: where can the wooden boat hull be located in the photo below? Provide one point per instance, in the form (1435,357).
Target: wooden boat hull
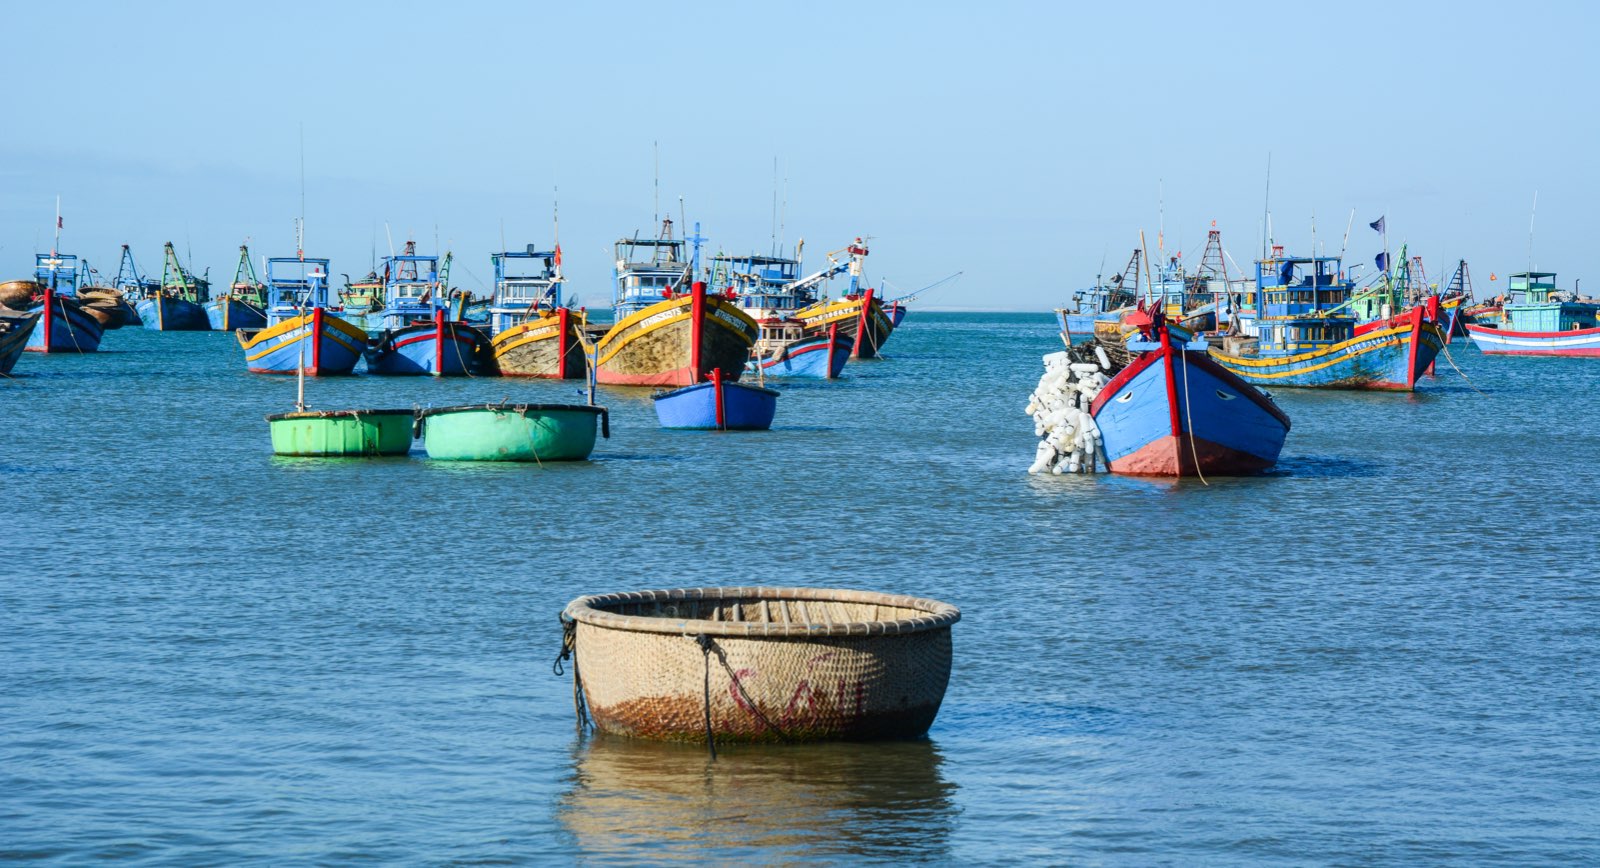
(342,433)
(1178,413)
(1385,358)
(676,342)
(231,314)
(802,664)
(512,432)
(1505,342)
(439,348)
(717,405)
(167,314)
(68,328)
(331,346)
(860,320)
(549,346)
(14,334)
(819,357)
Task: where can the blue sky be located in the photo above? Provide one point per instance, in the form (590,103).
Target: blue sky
(1021,143)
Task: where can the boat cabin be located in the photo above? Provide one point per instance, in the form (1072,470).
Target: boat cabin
(1300,304)
(58,271)
(1537,306)
(762,285)
(294,286)
(413,287)
(648,270)
(525,282)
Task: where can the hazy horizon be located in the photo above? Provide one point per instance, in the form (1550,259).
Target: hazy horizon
(1024,145)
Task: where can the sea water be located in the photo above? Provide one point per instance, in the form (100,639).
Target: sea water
(1384,651)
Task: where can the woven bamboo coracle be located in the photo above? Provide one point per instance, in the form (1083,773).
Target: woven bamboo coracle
(761,664)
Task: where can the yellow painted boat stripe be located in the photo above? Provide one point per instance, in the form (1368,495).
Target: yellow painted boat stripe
(1236,361)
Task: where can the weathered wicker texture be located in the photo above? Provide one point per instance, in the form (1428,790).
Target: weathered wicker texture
(844,665)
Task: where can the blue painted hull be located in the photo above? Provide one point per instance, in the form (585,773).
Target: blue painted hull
(325,345)
(68,330)
(14,334)
(450,349)
(1502,341)
(231,314)
(1383,358)
(172,315)
(807,357)
(744,407)
(897,314)
(1176,413)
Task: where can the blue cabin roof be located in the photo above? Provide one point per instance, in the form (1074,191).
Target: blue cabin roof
(1302,304)
(525,281)
(294,283)
(649,270)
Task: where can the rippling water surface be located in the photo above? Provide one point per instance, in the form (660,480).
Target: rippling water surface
(1385,651)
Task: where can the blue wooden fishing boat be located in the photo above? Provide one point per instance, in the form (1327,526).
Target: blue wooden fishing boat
(1540,320)
(243,305)
(177,303)
(717,404)
(14,333)
(419,338)
(301,332)
(531,333)
(64,325)
(1307,339)
(771,291)
(1172,411)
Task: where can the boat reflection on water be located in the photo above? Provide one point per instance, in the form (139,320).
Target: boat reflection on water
(775,803)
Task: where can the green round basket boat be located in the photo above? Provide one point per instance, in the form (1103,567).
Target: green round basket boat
(342,433)
(512,432)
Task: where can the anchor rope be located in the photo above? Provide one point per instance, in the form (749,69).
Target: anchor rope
(569,650)
(1188,412)
(704,642)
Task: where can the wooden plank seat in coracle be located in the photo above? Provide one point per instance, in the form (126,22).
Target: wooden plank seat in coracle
(760,664)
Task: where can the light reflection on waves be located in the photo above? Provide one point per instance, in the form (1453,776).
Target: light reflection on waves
(887,801)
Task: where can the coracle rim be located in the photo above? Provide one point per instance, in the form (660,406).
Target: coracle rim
(584,610)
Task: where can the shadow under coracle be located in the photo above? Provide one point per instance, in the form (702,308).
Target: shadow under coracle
(632,799)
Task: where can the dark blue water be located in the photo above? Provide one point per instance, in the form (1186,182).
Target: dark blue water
(1384,652)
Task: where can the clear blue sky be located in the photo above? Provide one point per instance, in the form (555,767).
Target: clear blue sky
(1021,143)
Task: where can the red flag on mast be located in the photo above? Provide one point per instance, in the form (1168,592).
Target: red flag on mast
(558,256)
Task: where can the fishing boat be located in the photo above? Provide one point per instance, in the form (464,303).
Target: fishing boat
(361,301)
(532,333)
(718,405)
(1106,301)
(64,325)
(858,313)
(243,306)
(301,334)
(177,303)
(664,335)
(1307,339)
(418,337)
(105,303)
(512,432)
(1172,411)
(133,286)
(1540,320)
(15,329)
(770,290)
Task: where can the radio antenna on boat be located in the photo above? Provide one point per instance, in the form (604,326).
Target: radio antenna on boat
(300,250)
(774,239)
(56,244)
(1345,244)
(1161,218)
(1532,214)
(389,235)
(1266,210)
(655,148)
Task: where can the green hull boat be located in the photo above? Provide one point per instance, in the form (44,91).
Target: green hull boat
(342,433)
(513,432)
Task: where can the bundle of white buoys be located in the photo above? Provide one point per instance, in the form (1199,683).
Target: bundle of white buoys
(1069,439)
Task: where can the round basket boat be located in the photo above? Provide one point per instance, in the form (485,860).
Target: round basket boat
(761,664)
(512,432)
(342,433)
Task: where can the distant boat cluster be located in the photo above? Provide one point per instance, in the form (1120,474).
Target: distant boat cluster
(1164,372)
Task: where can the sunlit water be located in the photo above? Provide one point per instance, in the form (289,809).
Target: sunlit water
(1385,651)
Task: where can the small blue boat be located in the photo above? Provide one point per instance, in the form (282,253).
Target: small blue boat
(1173,411)
(64,326)
(817,357)
(717,404)
(419,338)
(300,330)
(14,332)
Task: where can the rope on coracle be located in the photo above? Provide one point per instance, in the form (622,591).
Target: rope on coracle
(569,650)
(705,643)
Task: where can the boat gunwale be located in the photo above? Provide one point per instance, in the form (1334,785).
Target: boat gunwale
(656,396)
(337,414)
(585,610)
(515,408)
